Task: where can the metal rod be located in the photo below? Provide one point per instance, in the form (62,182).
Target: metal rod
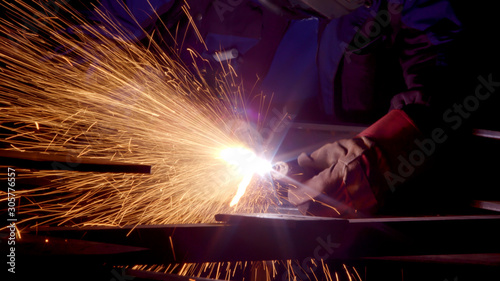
(43,161)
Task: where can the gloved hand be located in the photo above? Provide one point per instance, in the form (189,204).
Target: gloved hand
(341,185)
(349,177)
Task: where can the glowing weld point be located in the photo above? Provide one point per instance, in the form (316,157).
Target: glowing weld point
(247,164)
(245,161)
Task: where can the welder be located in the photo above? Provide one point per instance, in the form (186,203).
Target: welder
(344,61)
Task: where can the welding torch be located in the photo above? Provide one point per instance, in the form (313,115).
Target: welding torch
(287,175)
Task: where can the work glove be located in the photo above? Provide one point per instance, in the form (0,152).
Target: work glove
(352,177)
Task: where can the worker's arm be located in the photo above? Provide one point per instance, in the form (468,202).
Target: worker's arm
(354,176)
(427,29)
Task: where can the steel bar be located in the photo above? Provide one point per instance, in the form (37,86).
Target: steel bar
(276,238)
(488,259)
(486,133)
(43,161)
(487,205)
(262,239)
(328,127)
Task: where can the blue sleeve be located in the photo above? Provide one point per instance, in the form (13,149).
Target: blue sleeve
(434,17)
(427,29)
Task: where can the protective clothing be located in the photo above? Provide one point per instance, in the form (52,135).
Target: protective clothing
(348,68)
(341,186)
(352,177)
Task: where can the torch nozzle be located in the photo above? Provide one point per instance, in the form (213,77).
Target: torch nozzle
(280,170)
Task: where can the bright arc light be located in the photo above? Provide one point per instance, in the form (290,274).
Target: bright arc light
(246,163)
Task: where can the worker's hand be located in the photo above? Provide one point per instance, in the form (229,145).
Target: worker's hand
(341,185)
(352,177)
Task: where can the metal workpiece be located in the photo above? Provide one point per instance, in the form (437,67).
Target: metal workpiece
(45,161)
(252,237)
(240,238)
(115,252)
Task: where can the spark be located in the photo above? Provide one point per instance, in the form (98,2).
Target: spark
(347,272)
(94,92)
(357,274)
(253,270)
(242,186)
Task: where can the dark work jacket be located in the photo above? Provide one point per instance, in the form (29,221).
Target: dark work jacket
(353,68)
